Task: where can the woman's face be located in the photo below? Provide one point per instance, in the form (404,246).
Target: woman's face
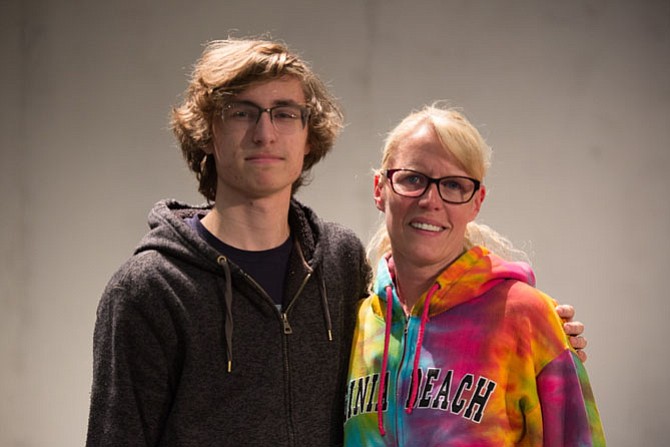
(425,231)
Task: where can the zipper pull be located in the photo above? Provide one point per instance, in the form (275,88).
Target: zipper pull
(287,326)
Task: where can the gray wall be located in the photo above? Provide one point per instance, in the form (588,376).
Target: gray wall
(574,97)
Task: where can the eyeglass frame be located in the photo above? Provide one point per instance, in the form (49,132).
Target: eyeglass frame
(388,173)
(305,111)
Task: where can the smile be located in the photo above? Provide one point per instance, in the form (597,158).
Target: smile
(426,227)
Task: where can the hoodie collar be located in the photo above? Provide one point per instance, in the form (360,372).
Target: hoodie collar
(471,275)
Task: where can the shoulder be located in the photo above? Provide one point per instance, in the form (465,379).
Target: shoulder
(146,282)
(340,235)
(130,281)
(532,312)
(340,249)
(322,232)
(334,246)
(139,268)
(523,297)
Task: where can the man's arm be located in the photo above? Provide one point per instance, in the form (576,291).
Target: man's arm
(130,395)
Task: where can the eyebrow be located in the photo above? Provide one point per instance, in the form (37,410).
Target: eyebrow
(426,175)
(277,102)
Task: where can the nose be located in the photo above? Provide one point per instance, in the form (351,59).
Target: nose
(264,130)
(431,198)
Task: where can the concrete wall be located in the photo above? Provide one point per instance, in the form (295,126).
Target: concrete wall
(574,97)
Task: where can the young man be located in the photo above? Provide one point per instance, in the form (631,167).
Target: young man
(232,323)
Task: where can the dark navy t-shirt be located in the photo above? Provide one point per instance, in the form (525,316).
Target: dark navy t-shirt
(266,267)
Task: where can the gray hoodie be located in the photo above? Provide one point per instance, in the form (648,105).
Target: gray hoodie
(190,351)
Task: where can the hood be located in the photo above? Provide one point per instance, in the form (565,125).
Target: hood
(171,236)
(471,275)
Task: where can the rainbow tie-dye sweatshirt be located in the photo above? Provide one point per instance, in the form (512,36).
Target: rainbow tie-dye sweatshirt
(491,361)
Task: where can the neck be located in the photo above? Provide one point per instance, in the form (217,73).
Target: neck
(413,280)
(250,224)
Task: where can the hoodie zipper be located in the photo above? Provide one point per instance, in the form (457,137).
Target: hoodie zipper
(400,403)
(288,330)
(283,315)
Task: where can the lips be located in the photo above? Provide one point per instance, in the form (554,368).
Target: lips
(263,158)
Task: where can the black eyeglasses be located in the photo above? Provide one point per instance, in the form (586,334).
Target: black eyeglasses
(453,189)
(286,118)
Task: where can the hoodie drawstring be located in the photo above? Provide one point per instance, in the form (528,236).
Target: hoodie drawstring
(382,379)
(322,290)
(419,341)
(324,304)
(228,300)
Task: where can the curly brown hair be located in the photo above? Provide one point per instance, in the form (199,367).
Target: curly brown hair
(228,67)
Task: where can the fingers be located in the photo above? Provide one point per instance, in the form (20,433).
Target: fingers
(573,328)
(565,311)
(582,356)
(578,342)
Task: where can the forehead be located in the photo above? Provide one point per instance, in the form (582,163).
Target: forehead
(422,150)
(287,89)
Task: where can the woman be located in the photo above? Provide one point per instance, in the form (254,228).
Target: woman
(466,350)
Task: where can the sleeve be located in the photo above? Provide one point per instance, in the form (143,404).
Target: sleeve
(131,392)
(365,275)
(569,413)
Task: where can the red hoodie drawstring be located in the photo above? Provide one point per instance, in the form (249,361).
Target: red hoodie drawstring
(385,358)
(419,342)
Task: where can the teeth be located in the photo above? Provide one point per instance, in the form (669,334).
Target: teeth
(425,226)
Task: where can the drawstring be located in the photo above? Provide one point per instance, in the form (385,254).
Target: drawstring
(322,290)
(419,341)
(324,303)
(382,379)
(228,299)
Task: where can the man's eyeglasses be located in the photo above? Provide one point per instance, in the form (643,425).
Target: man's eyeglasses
(452,189)
(287,118)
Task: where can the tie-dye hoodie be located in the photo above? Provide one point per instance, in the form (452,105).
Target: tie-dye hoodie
(487,351)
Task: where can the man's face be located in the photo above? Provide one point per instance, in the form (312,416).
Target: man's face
(254,160)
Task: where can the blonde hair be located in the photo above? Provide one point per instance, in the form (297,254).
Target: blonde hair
(459,137)
(228,67)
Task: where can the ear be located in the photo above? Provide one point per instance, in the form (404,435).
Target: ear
(478,200)
(377,193)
